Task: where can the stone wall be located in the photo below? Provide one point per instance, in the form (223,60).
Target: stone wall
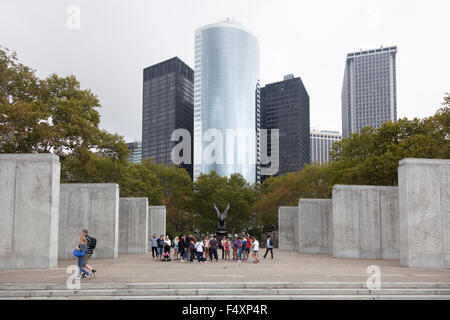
(92,206)
(29,200)
(424,186)
(287,228)
(365,222)
(156,221)
(315,228)
(133,227)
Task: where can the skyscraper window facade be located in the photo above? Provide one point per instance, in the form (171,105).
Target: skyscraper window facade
(285,106)
(369,90)
(321,143)
(167,105)
(226,97)
(135,148)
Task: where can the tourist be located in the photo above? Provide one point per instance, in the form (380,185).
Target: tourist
(240,248)
(181,247)
(269,247)
(199,248)
(213,249)
(243,245)
(219,246)
(236,244)
(192,249)
(255,247)
(175,248)
(166,254)
(187,250)
(227,247)
(154,246)
(167,241)
(82,247)
(222,246)
(160,243)
(206,246)
(248,245)
(91,244)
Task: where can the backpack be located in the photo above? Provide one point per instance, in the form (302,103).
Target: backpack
(271,242)
(227,246)
(78,253)
(93,243)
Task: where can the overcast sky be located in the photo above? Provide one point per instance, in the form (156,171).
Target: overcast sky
(310,39)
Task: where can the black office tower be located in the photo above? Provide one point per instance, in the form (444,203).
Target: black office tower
(168,104)
(285,106)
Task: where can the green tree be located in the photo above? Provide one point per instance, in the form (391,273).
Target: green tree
(212,188)
(313,181)
(56,115)
(371,157)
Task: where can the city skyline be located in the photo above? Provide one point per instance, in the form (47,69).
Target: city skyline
(113,40)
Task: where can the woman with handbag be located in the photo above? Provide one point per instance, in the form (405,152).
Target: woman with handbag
(80,252)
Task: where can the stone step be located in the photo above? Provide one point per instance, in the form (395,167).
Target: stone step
(221,292)
(92,285)
(246,297)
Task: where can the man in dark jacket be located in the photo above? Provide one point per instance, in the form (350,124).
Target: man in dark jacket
(89,251)
(181,246)
(160,243)
(213,249)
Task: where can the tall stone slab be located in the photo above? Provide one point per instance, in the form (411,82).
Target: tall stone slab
(133,226)
(92,206)
(287,228)
(315,227)
(424,213)
(390,222)
(29,208)
(156,221)
(365,222)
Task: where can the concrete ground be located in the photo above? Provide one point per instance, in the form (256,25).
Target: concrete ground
(288,266)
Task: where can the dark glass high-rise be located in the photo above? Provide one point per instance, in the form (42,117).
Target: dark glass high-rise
(285,106)
(168,104)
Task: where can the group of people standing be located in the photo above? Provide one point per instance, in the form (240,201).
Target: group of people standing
(187,248)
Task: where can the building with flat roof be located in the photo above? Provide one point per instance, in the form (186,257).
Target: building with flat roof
(369,90)
(135,148)
(285,106)
(168,93)
(321,142)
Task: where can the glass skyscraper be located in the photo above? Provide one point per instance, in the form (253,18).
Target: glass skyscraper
(226,99)
(167,105)
(369,91)
(285,106)
(321,142)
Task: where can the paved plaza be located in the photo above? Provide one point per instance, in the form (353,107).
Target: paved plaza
(288,266)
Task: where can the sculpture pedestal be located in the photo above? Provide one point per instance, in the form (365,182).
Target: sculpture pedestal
(220,234)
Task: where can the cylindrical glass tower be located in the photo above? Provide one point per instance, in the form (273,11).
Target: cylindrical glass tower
(226,100)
